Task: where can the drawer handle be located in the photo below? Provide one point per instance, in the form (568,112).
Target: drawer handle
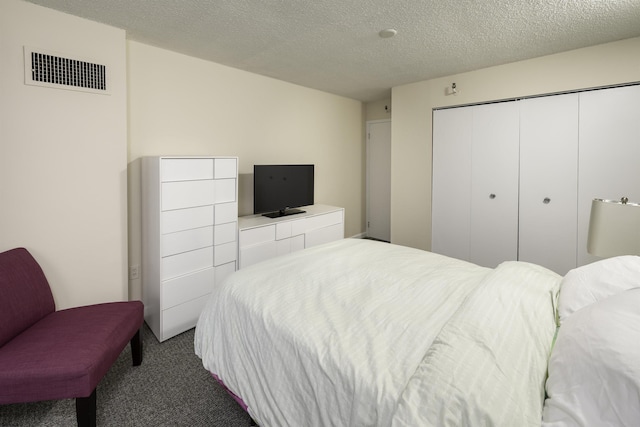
(492,196)
(546,200)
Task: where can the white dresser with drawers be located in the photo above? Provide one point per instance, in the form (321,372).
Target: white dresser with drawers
(189,236)
(262,238)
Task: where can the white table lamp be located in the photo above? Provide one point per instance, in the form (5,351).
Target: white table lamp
(614,228)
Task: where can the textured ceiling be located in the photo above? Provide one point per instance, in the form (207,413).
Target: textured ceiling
(333,45)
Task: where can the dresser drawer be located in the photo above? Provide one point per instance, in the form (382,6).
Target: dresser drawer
(253,254)
(224,233)
(223,271)
(284,230)
(291,244)
(225,168)
(225,253)
(254,236)
(188,240)
(185,219)
(184,288)
(180,318)
(225,190)
(185,263)
(226,212)
(186,169)
(324,235)
(187,194)
(316,221)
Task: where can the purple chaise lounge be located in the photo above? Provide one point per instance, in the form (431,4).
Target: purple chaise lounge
(47,354)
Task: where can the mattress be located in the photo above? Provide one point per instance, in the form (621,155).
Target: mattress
(357,332)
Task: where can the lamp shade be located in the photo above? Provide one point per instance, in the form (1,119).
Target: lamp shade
(614,228)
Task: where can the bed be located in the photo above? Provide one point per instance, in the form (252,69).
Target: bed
(364,333)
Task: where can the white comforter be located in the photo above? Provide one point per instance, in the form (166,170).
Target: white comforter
(361,333)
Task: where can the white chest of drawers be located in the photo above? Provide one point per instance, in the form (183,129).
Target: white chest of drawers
(261,238)
(189,236)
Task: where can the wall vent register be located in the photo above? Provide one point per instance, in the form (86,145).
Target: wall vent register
(48,69)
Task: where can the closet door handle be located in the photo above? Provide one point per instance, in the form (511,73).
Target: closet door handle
(492,196)
(546,200)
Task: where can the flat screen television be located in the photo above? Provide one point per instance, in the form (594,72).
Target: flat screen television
(279,189)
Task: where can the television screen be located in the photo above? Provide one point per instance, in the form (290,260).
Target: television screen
(277,189)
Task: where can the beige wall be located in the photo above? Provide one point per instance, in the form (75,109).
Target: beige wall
(180,105)
(412,105)
(63,154)
(378,110)
(63,157)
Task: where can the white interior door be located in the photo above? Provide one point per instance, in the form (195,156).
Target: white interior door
(451,182)
(494,184)
(549,181)
(379,180)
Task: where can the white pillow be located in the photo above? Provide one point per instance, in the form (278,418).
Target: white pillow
(594,369)
(593,282)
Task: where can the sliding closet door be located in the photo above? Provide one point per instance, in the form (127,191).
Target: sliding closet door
(549,181)
(493,235)
(609,153)
(451,191)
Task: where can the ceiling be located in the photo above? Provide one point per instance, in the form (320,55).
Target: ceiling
(334,46)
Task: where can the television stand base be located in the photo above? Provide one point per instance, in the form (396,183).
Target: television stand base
(285,212)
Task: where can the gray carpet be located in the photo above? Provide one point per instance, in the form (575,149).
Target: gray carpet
(170,388)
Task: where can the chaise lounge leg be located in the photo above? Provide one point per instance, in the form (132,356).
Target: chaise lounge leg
(86,410)
(136,348)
